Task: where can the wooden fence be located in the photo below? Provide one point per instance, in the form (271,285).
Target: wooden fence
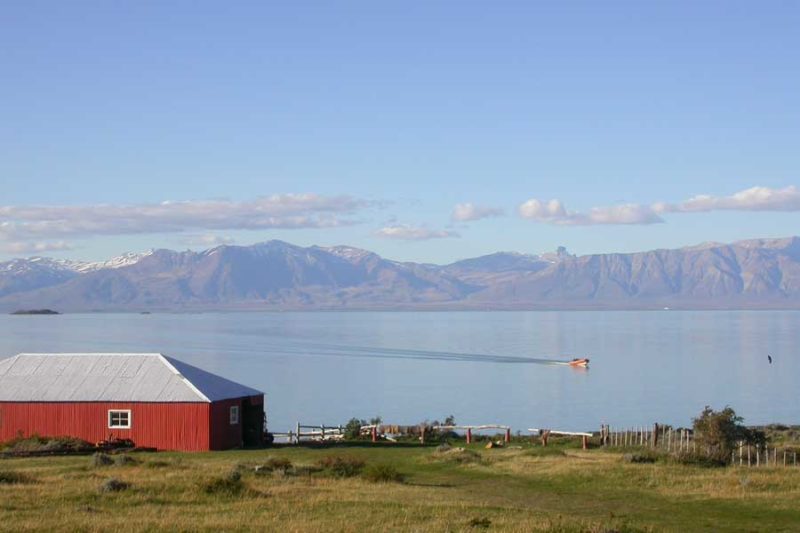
(658,437)
(683,441)
(306,433)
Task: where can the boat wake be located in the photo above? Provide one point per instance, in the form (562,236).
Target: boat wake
(399,353)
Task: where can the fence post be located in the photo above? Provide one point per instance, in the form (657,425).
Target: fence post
(298,433)
(469,436)
(508,435)
(374,433)
(585,442)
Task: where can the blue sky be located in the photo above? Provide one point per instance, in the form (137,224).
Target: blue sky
(366,123)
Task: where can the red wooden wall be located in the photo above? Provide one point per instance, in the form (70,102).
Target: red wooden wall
(165,426)
(224,435)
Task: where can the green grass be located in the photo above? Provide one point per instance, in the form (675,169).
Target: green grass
(519,488)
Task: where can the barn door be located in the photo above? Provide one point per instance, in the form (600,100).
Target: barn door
(252,423)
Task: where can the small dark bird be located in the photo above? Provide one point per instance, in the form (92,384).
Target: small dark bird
(769,358)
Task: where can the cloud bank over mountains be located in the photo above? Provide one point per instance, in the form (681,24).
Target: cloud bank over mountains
(31,226)
(40,228)
(554,212)
(408,232)
(753,199)
(468,212)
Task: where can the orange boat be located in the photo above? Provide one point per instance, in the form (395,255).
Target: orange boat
(583,361)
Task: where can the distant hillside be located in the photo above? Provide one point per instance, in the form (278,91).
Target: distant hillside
(761,273)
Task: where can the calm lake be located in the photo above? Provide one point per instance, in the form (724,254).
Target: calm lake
(327,367)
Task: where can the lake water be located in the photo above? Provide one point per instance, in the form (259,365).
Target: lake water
(483,368)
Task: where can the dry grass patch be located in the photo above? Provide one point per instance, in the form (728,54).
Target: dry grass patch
(10,477)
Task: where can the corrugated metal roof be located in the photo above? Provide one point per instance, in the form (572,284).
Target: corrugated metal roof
(107,377)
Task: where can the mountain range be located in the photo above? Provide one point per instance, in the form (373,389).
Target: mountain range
(761,273)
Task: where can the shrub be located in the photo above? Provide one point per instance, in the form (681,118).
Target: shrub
(228,485)
(114,485)
(100,459)
(699,459)
(9,477)
(157,464)
(352,431)
(341,466)
(35,443)
(125,460)
(480,522)
(278,463)
(641,457)
(717,432)
(383,473)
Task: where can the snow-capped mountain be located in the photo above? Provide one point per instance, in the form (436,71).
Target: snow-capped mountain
(21,275)
(120,261)
(762,273)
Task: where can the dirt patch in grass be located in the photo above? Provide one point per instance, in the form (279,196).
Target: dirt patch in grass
(456,455)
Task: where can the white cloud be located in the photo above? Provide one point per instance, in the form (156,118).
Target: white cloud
(33,247)
(752,199)
(413,233)
(286,211)
(468,212)
(554,212)
(208,239)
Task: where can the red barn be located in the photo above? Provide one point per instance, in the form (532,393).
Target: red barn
(154,400)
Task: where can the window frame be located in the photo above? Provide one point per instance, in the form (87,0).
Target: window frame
(234,415)
(120,411)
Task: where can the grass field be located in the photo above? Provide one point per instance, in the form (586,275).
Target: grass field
(519,488)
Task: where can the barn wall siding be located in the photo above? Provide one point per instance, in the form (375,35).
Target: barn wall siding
(225,436)
(165,426)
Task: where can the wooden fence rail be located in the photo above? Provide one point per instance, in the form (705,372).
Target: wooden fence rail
(684,441)
(309,432)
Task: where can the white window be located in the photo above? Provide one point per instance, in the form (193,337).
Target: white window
(119,419)
(234,415)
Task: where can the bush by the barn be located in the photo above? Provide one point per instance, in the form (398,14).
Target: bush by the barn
(38,444)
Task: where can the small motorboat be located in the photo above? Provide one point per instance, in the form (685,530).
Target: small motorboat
(582,362)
